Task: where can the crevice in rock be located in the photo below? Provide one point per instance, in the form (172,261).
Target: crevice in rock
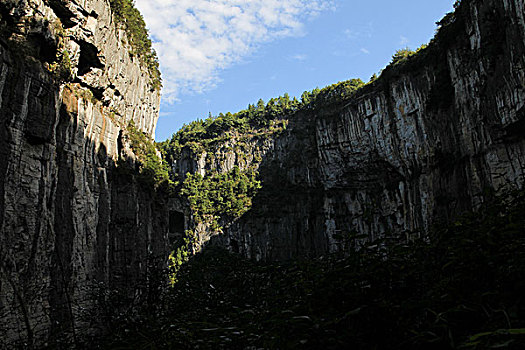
(120,144)
(102,242)
(234,245)
(515,131)
(40,121)
(6,24)
(4,154)
(61,260)
(116,92)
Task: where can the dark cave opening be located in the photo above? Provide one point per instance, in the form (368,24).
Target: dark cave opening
(88,58)
(176,222)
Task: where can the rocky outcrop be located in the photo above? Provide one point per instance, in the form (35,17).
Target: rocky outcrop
(432,137)
(74,227)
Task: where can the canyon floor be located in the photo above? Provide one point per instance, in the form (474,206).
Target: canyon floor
(462,291)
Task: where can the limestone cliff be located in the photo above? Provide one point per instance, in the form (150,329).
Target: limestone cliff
(74,226)
(429,139)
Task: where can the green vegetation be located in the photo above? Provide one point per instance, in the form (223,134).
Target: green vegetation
(260,119)
(402,55)
(153,170)
(446,31)
(216,198)
(221,195)
(213,199)
(180,256)
(462,290)
(463,287)
(61,67)
(131,19)
(85,94)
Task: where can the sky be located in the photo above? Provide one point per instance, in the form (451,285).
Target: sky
(218,56)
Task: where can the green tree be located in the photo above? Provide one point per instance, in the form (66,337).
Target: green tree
(401,55)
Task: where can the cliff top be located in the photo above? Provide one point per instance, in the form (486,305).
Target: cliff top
(132,21)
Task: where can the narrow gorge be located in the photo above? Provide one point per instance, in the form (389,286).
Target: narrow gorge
(92,211)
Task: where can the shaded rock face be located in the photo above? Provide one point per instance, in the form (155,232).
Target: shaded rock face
(426,141)
(73,225)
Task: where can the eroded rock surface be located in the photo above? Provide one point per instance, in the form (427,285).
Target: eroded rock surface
(73,226)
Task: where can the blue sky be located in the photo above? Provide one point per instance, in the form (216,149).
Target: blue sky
(220,55)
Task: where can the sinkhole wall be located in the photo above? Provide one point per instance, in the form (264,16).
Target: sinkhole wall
(432,137)
(76,226)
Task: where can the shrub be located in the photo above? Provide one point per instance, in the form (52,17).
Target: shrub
(401,55)
(263,118)
(153,170)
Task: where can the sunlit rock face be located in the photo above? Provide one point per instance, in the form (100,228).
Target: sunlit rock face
(431,138)
(72,227)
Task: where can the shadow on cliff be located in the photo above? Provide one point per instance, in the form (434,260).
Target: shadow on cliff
(83,237)
(285,219)
(116,269)
(426,141)
(422,295)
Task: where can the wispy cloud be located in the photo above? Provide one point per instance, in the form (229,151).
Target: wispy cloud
(365,51)
(299,57)
(403,40)
(361,32)
(196,39)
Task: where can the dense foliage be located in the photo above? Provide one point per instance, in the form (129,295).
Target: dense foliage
(213,199)
(202,135)
(153,170)
(465,289)
(259,118)
(221,195)
(131,19)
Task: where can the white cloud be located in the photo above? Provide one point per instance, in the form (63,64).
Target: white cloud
(403,40)
(365,51)
(299,57)
(196,39)
(361,32)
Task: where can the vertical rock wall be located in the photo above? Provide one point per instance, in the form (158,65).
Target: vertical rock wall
(431,138)
(73,225)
